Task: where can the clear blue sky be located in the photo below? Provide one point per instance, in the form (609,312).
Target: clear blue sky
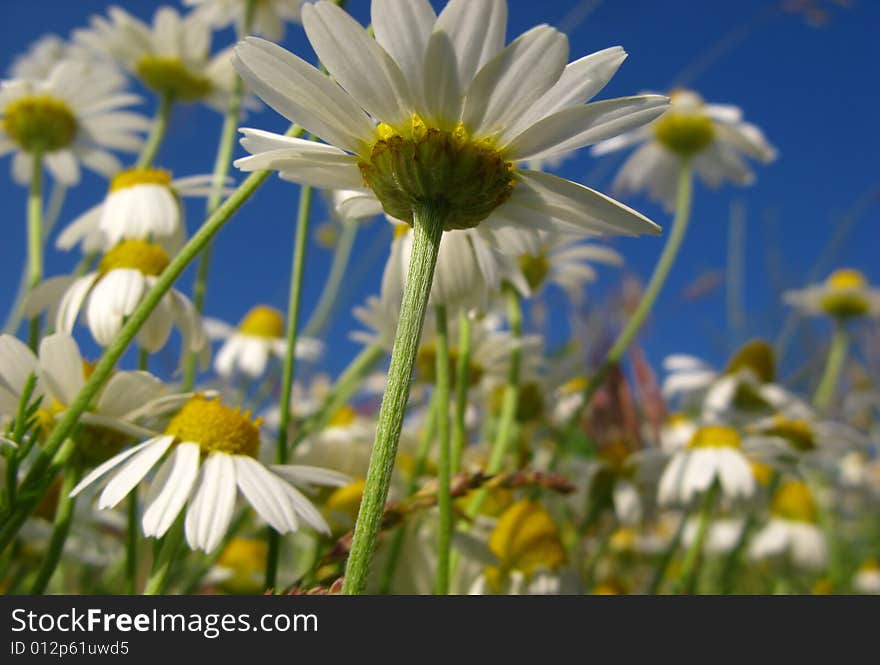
(813,90)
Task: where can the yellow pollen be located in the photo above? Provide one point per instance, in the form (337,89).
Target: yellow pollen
(715,436)
(140,176)
(870,566)
(798,433)
(400,230)
(146,257)
(757,357)
(762,472)
(575,385)
(216,427)
(534,268)
(245,558)
(845,297)
(846,279)
(684,133)
(170,77)
(794,501)
(40,123)
(346,500)
(615,454)
(262,321)
(677,418)
(526,538)
(610,587)
(344,416)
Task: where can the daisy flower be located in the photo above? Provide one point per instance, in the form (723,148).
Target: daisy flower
(108,295)
(714,454)
(213,454)
(141,204)
(721,538)
(172,57)
(112,419)
(793,529)
(268,18)
(845,295)
(258,337)
(714,137)
(42,55)
(76,115)
(867,577)
(486,109)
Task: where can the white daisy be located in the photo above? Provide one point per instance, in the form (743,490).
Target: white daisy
(676,432)
(74,115)
(867,577)
(345,443)
(712,455)
(485,109)
(42,55)
(258,337)
(213,454)
(124,276)
(845,294)
(172,56)
(792,529)
(722,536)
(141,204)
(714,137)
(268,18)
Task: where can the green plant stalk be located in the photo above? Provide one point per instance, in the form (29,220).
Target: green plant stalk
(35,240)
(222,164)
(462,382)
(35,477)
(289,370)
(689,568)
(60,530)
(328,299)
(666,557)
(428,221)
(418,469)
(836,359)
(507,420)
(157,133)
(167,553)
(444,477)
(649,297)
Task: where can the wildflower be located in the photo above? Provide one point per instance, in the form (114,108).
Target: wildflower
(792,529)
(268,15)
(845,295)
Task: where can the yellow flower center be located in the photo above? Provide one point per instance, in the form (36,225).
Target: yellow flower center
(416,166)
(326,235)
(525,538)
(343,417)
(140,176)
(246,559)
(762,472)
(529,406)
(262,321)
(573,386)
(534,268)
(615,454)
(40,123)
(794,501)
(845,294)
(798,433)
(146,257)
(426,364)
(345,501)
(216,427)
(870,566)
(610,587)
(757,357)
(170,77)
(685,134)
(715,436)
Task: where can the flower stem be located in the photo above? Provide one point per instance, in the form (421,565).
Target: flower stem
(688,580)
(35,239)
(658,278)
(836,358)
(60,530)
(36,476)
(462,382)
(157,133)
(666,558)
(507,420)
(168,546)
(444,497)
(287,374)
(428,222)
(328,300)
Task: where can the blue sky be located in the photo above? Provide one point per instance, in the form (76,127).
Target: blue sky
(813,91)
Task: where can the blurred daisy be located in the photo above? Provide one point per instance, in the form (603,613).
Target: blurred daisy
(74,115)
(867,577)
(268,15)
(42,55)
(845,295)
(344,444)
(109,295)
(676,432)
(722,536)
(486,108)
(713,137)
(713,455)
(258,337)
(213,454)
(141,204)
(792,529)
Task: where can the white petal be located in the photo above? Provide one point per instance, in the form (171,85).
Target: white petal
(102,469)
(61,367)
(209,514)
(170,489)
(476,31)
(267,494)
(63,166)
(126,392)
(113,298)
(299,474)
(403,28)
(128,477)
(17,363)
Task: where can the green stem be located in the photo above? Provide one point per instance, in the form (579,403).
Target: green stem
(328,300)
(222,164)
(833,366)
(60,530)
(428,221)
(507,420)
(666,557)
(658,278)
(35,478)
(690,566)
(462,382)
(131,541)
(287,374)
(168,547)
(444,496)
(157,133)
(35,239)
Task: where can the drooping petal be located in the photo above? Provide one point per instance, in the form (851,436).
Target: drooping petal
(134,471)
(209,514)
(170,489)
